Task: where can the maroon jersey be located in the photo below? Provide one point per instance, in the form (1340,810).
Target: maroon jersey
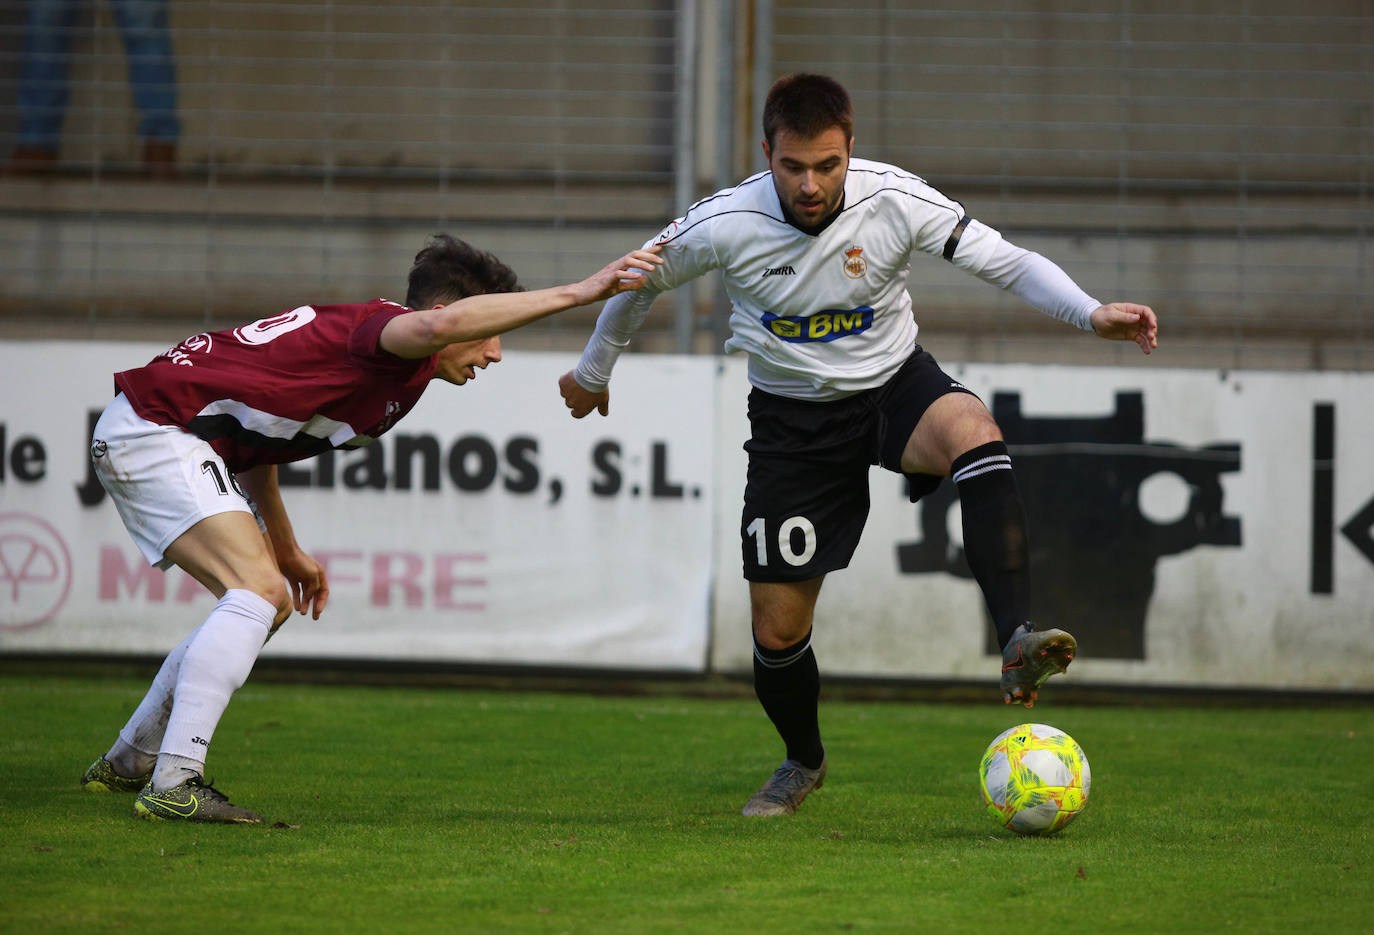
(283,388)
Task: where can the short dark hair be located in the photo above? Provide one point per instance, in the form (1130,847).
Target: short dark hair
(807,105)
(448,269)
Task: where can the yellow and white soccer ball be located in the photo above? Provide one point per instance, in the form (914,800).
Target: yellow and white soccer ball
(1035,779)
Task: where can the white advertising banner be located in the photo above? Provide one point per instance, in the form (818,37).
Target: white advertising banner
(487,527)
(1190,527)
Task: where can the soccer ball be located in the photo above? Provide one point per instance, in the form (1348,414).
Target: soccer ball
(1035,779)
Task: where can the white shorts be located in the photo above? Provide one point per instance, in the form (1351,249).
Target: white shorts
(162,479)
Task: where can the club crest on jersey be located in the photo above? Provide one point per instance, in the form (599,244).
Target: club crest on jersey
(828,325)
(854,263)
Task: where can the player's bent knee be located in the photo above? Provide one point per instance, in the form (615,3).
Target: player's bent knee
(954,424)
(774,630)
(782,613)
(283,612)
(975,419)
(271,587)
(984,432)
(975,429)
(781,636)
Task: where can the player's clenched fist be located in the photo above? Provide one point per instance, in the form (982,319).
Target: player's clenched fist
(580,400)
(1126,321)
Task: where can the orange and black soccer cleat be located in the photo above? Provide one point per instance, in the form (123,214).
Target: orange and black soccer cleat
(1030,657)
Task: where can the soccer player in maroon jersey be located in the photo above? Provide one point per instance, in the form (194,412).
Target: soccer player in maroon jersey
(188,451)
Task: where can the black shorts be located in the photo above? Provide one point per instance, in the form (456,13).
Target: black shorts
(806,497)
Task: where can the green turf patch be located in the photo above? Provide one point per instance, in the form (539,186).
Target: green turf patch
(404,810)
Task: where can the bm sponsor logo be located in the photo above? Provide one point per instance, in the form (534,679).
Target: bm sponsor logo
(822,326)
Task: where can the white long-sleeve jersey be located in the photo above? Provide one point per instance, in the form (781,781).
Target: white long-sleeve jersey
(825,315)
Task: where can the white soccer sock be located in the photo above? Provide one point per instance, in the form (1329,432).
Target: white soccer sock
(129,761)
(135,751)
(216,663)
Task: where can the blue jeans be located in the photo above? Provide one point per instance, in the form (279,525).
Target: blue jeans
(43,93)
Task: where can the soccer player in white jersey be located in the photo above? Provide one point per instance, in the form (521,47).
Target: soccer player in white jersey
(188,451)
(815,255)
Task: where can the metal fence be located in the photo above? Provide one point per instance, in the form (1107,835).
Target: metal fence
(1211,159)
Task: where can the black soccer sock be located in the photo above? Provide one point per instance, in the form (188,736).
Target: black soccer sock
(788,684)
(995,534)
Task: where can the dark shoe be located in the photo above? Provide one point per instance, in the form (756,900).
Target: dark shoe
(1030,657)
(782,793)
(101,777)
(193,800)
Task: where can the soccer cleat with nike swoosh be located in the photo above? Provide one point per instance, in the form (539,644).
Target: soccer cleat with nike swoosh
(1030,657)
(101,777)
(193,800)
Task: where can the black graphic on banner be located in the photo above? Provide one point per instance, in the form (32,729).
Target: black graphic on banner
(1358,530)
(1323,497)
(1093,551)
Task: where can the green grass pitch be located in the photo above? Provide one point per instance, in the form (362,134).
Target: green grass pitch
(402,810)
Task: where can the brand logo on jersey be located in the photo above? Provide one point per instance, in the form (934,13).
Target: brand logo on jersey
(667,233)
(269,329)
(829,325)
(779,271)
(854,263)
(196,343)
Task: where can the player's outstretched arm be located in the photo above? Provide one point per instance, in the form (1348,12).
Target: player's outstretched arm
(581,400)
(427,331)
(1125,321)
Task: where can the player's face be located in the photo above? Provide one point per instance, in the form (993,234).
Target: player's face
(809,172)
(459,363)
